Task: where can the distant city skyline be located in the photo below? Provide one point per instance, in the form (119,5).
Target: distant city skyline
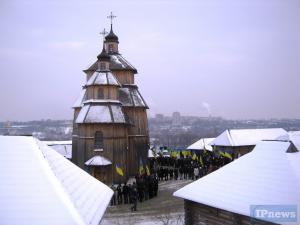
(233,59)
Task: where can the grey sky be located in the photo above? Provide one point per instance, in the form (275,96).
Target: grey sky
(240,58)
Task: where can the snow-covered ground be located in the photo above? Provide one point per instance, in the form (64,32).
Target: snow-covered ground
(161,210)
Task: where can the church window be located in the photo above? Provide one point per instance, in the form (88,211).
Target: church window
(98,140)
(110,47)
(100,93)
(102,66)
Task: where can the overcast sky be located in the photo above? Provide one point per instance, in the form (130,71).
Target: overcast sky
(231,58)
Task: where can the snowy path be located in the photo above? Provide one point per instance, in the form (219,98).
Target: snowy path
(163,209)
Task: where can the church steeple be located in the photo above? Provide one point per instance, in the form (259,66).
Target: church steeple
(103,60)
(103,57)
(111,40)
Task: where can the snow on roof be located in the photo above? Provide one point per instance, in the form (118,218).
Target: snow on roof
(293,136)
(98,161)
(103,78)
(101,114)
(50,143)
(199,145)
(117,62)
(266,176)
(39,186)
(62,147)
(80,99)
(246,137)
(130,96)
(101,101)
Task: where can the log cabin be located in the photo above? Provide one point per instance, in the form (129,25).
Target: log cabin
(266,179)
(238,142)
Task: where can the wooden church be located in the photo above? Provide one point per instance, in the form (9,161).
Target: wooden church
(110,127)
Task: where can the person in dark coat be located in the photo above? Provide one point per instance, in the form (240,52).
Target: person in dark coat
(146,185)
(113,199)
(151,186)
(141,188)
(171,172)
(155,186)
(130,193)
(134,199)
(176,173)
(119,190)
(125,193)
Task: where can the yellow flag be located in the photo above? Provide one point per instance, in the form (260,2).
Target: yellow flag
(200,159)
(119,170)
(147,170)
(221,153)
(194,156)
(227,155)
(204,149)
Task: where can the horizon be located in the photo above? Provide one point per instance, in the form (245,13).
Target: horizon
(230,59)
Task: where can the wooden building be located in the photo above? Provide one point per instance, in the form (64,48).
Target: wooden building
(241,141)
(110,118)
(267,176)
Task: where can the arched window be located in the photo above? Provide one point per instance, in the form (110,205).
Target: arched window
(98,140)
(100,93)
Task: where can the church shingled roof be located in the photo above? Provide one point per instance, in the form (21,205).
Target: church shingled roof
(103,56)
(130,96)
(117,62)
(103,78)
(102,113)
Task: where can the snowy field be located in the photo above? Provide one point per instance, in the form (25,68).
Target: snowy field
(161,210)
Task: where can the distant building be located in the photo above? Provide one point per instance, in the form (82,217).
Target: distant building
(241,141)
(176,119)
(159,117)
(110,118)
(39,186)
(269,175)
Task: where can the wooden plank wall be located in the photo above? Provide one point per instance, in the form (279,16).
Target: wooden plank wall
(199,214)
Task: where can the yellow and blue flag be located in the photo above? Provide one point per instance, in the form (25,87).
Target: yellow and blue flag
(119,170)
(141,167)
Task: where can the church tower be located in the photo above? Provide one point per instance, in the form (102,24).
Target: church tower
(110,124)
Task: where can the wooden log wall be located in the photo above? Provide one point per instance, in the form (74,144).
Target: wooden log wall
(109,92)
(115,146)
(199,214)
(124,77)
(138,136)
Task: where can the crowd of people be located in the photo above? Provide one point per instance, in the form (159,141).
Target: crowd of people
(143,188)
(186,167)
(163,168)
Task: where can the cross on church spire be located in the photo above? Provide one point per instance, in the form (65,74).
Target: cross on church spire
(111,17)
(103,33)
